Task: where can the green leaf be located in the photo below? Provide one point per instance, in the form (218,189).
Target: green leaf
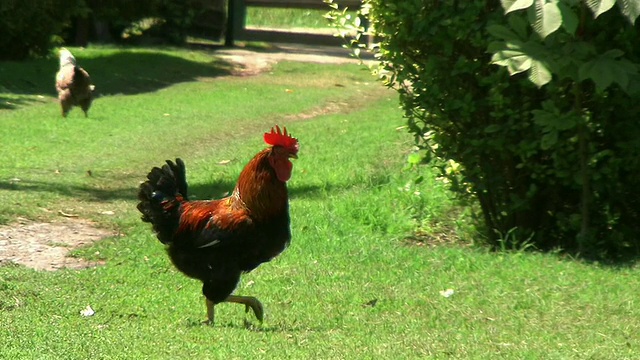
(539,73)
(572,56)
(551,119)
(570,20)
(613,54)
(545,17)
(514,59)
(630,9)
(517,57)
(607,69)
(519,25)
(513,5)
(633,88)
(549,140)
(492,128)
(502,32)
(414,158)
(599,7)
(596,71)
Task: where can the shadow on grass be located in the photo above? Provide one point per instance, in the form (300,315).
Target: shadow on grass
(81,192)
(10,103)
(255,326)
(220,189)
(103,189)
(134,73)
(224,188)
(124,72)
(99,192)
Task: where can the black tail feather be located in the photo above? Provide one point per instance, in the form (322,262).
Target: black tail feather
(160,197)
(78,77)
(180,176)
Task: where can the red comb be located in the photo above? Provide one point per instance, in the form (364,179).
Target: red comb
(281,138)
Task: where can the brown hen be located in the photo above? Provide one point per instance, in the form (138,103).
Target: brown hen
(73,84)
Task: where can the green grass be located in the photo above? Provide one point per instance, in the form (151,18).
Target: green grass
(349,287)
(286,18)
(308,19)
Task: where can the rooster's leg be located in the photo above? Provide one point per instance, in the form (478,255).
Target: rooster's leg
(249,302)
(210,312)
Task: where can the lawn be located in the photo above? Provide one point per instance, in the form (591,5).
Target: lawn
(287,18)
(356,282)
(309,20)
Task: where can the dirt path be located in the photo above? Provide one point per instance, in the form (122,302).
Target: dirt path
(45,246)
(252,62)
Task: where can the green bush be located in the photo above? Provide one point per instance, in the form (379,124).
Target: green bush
(552,153)
(33,28)
(30,28)
(171,18)
(179,18)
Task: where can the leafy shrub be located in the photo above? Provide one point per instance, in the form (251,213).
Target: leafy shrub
(33,28)
(548,142)
(29,28)
(178,16)
(170,20)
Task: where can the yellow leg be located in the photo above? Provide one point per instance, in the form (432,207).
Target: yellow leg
(210,312)
(249,302)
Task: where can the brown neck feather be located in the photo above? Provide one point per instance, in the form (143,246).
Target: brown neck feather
(258,188)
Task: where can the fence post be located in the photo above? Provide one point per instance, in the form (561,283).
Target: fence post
(236,17)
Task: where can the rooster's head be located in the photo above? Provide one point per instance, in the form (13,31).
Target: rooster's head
(283,148)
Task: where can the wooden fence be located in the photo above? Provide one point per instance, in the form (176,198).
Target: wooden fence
(237,15)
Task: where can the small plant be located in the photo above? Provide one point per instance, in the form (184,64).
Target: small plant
(348,25)
(509,241)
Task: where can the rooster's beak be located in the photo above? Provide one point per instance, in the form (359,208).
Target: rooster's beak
(293,156)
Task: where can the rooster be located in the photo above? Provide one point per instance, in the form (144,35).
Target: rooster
(73,84)
(216,241)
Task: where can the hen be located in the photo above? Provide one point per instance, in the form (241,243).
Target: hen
(73,84)
(216,241)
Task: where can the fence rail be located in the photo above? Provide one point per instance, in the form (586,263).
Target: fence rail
(237,17)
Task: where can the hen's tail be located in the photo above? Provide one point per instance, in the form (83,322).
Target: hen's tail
(160,198)
(81,77)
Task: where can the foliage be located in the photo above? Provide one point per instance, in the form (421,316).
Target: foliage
(35,27)
(178,18)
(174,18)
(348,24)
(29,28)
(552,155)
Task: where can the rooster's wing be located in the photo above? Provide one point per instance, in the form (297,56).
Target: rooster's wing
(213,224)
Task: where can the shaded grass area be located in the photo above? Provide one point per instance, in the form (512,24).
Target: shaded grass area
(348,287)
